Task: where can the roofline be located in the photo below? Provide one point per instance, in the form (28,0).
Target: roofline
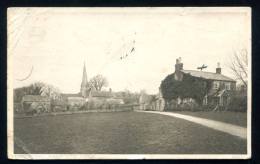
(35,101)
(101,96)
(231,80)
(222,80)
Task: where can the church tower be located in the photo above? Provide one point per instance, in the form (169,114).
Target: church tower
(84,83)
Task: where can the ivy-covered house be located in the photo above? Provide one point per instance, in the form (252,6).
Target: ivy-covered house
(197,87)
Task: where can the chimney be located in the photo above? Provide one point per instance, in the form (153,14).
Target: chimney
(218,69)
(178,65)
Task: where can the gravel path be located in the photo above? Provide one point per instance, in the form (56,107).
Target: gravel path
(217,125)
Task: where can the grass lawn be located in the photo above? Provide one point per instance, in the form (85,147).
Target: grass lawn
(121,133)
(236,118)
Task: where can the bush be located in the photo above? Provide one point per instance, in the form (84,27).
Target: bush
(238,103)
(18,108)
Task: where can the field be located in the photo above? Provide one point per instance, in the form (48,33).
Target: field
(120,133)
(236,118)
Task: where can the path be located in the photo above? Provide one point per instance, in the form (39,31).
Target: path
(217,125)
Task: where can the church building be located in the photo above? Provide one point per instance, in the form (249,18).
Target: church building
(88,94)
(84,88)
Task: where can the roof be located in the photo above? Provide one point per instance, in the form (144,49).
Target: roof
(101,94)
(76,99)
(35,98)
(218,93)
(71,95)
(59,102)
(208,75)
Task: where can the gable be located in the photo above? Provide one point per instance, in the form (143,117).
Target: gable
(101,94)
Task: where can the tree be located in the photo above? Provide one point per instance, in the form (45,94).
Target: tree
(51,92)
(239,66)
(37,88)
(32,89)
(98,82)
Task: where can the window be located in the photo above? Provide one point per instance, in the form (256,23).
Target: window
(216,84)
(227,86)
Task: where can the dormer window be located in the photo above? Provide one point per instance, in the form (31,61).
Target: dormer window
(216,85)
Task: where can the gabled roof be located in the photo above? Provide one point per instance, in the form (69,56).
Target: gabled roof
(208,75)
(76,99)
(101,94)
(217,93)
(59,102)
(35,98)
(66,95)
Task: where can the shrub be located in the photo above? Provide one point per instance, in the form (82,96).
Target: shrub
(238,103)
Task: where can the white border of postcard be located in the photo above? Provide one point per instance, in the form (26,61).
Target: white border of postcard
(10,136)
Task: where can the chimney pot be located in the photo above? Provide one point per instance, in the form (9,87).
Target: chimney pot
(178,65)
(180,59)
(218,65)
(218,69)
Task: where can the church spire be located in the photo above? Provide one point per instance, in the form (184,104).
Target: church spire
(84,82)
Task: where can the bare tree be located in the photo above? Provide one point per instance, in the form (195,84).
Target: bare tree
(98,82)
(239,66)
(51,91)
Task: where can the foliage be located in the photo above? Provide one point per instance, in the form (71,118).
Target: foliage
(128,97)
(238,103)
(133,98)
(98,82)
(239,66)
(189,87)
(50,91)
(37,88)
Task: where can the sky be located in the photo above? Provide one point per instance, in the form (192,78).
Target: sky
(51,44)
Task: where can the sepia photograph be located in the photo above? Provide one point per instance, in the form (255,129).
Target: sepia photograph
(129,82)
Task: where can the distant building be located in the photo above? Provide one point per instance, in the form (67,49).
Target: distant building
(151,102)
(145,101)
(159,102)
(88,94)
(148,102)
(92,94)
(36,102)
(73,101)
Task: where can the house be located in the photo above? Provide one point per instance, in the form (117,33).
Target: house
(159,102)
(73,101)
(151,102)
(36,103)
(59,105)
(103,99)
(146,102)
(219,87)
(101,95)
